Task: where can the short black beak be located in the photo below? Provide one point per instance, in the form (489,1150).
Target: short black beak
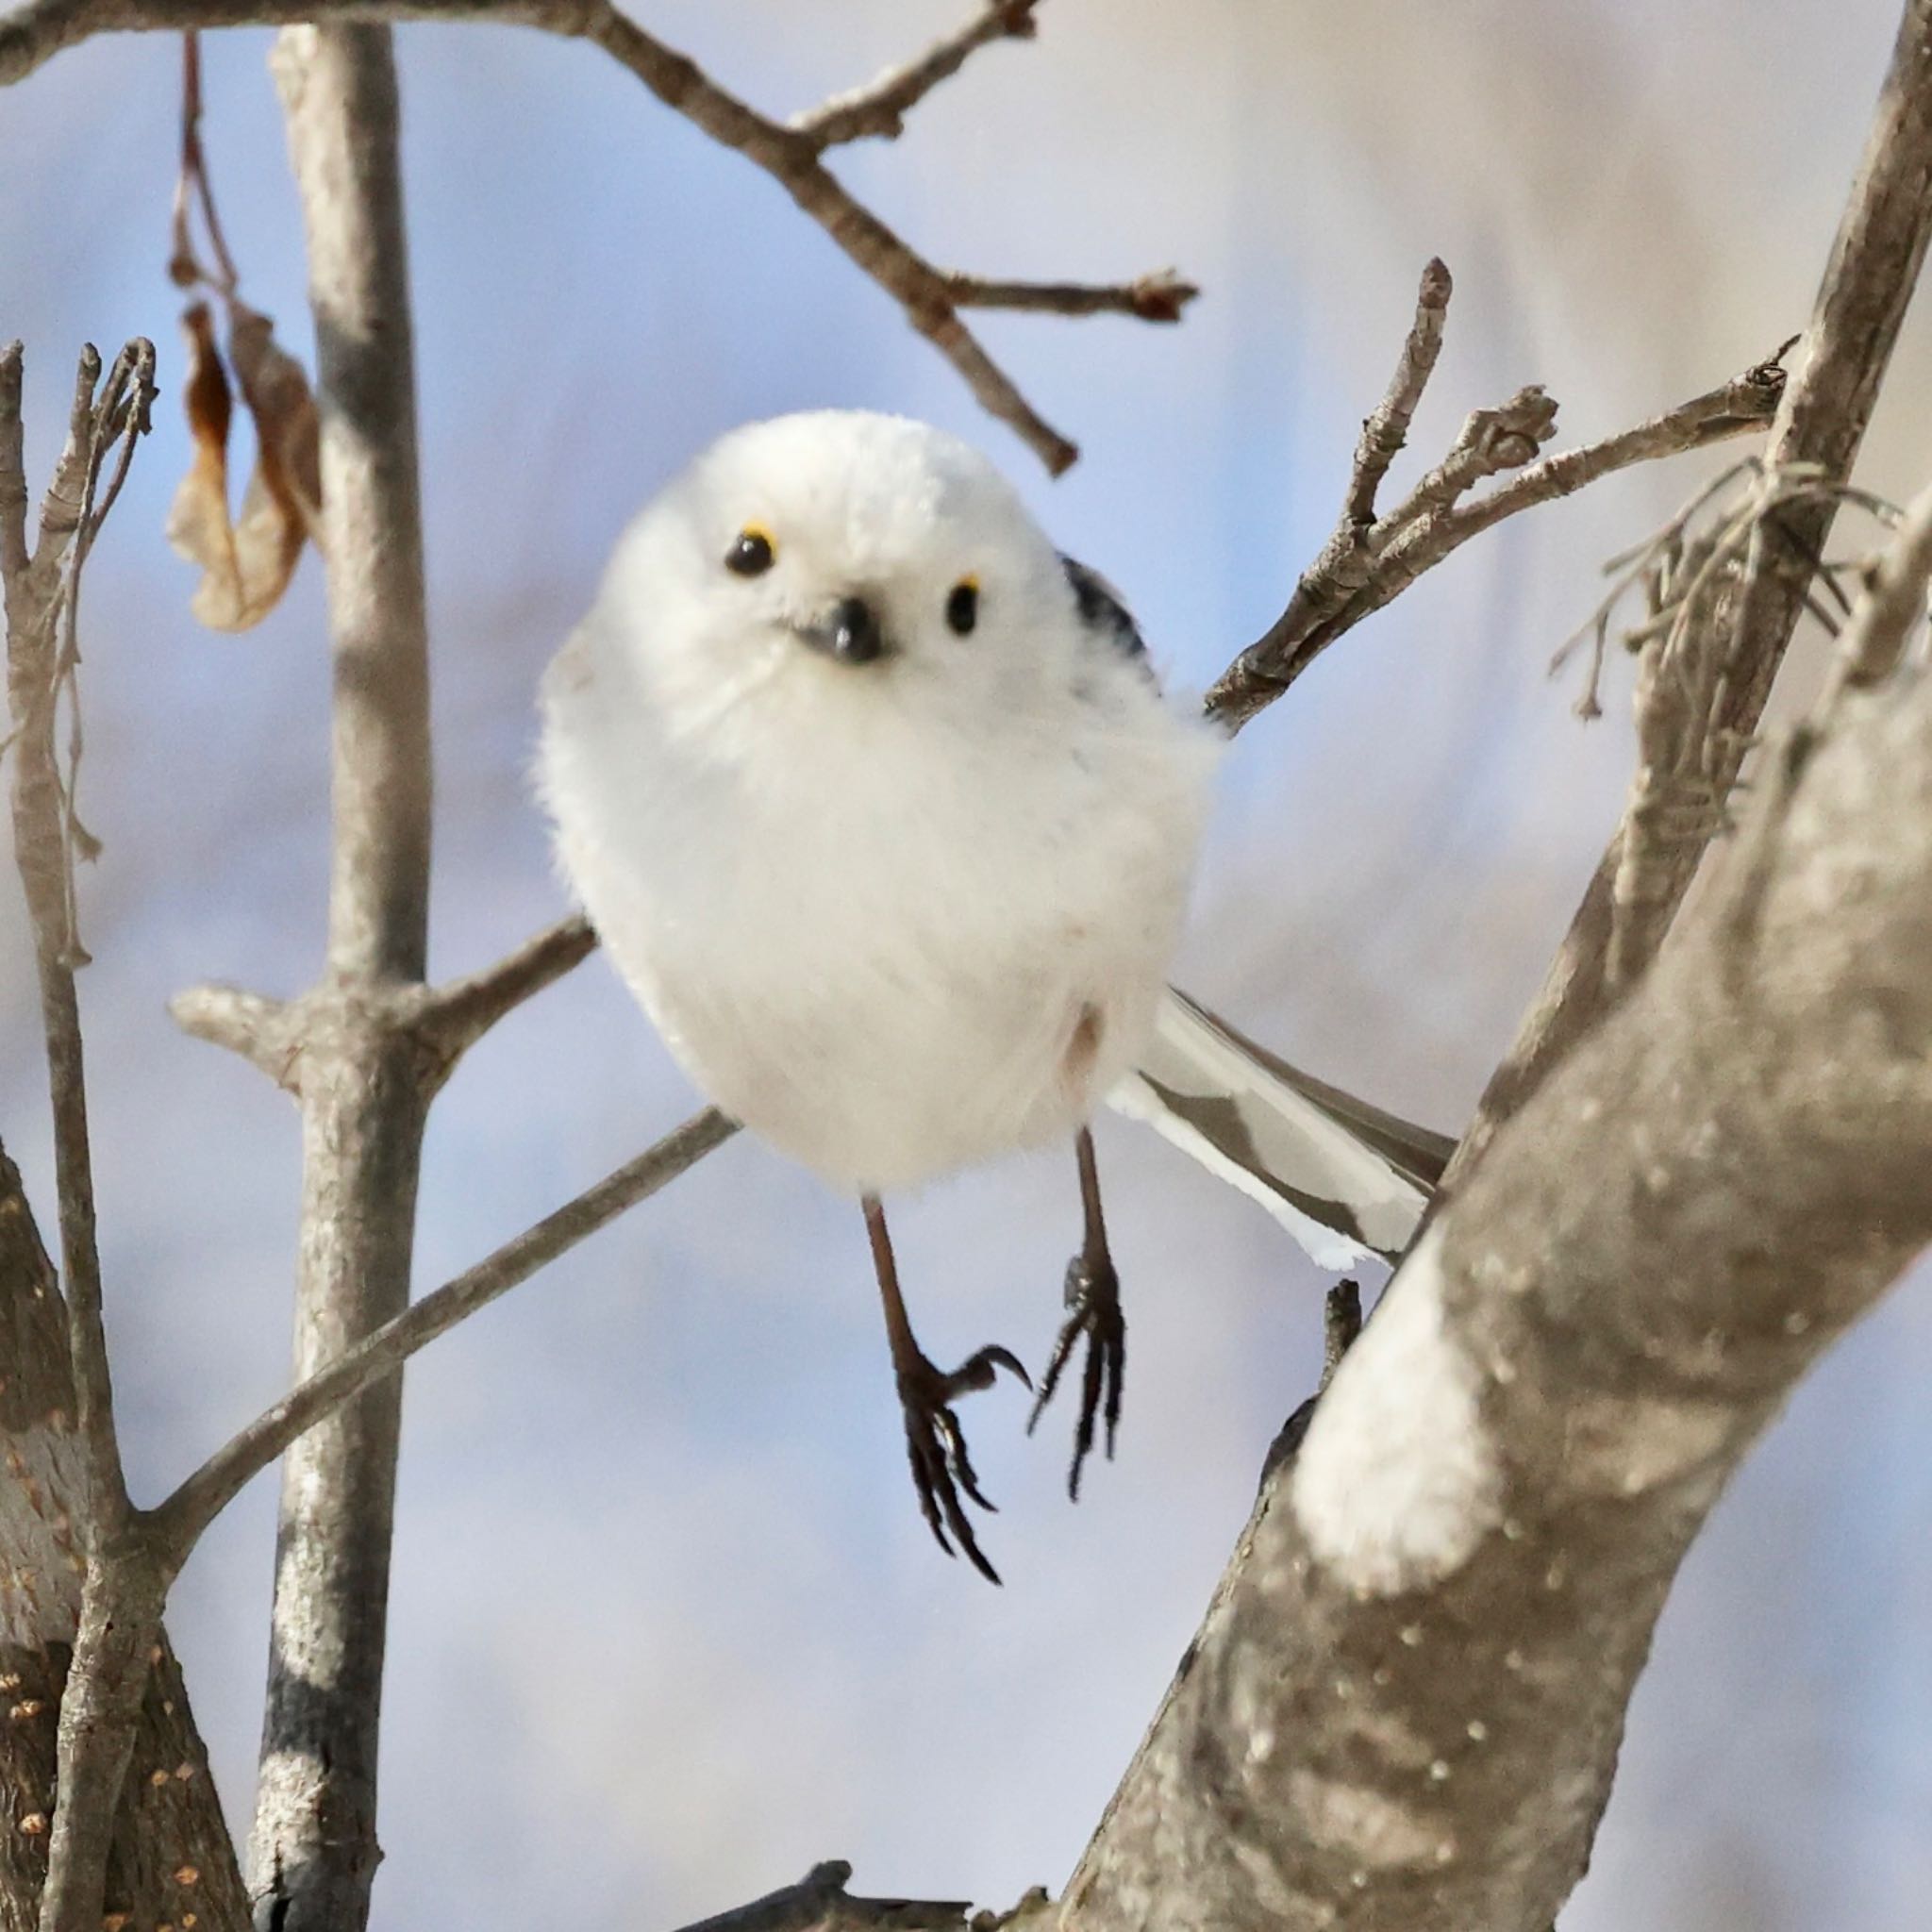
(850,632)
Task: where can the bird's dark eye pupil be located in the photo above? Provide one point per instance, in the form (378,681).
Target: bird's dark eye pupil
(751,553)
(962,608)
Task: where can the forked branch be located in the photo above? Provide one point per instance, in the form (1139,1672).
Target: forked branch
(792,152)
(1368,560)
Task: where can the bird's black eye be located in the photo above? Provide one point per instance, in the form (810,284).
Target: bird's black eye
(752,553)
(962,607)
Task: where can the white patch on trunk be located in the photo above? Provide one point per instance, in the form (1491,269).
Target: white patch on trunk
(1397,1481)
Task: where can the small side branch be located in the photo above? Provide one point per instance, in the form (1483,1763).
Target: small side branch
(880,109)
(456,1016)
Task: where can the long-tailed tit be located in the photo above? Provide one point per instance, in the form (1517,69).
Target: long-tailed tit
(879,809)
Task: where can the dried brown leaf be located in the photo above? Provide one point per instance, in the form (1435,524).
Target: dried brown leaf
(247,561)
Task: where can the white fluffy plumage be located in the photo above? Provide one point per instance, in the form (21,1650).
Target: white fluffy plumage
(896,912)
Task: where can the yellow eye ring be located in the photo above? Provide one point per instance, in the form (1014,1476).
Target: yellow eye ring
(752,553)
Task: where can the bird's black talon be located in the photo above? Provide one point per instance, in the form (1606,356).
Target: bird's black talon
(1094,1296)
(936,1447)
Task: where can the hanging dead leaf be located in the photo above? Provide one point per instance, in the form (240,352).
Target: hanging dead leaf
(246,563)
(198,518)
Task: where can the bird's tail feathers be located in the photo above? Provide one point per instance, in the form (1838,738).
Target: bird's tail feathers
(1347,1180)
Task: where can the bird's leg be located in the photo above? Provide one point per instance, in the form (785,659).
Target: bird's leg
(1093,1305)
(935,1445)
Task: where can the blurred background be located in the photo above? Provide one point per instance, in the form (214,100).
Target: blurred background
(667,1625)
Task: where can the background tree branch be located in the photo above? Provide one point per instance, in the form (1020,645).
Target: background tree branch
(363,1095)
(1873,267)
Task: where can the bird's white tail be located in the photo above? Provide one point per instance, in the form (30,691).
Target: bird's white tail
(1346,1179)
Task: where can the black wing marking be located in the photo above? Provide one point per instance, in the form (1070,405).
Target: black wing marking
(1103,611)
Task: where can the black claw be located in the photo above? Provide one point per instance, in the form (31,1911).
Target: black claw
(936,1448)
(1094,1296)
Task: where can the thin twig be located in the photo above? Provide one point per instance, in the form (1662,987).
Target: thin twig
(1385,429)
(192,190)
(180,1520)
(880,107)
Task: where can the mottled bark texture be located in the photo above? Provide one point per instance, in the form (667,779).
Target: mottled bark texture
(357,1067)
(1403,1710)
(171,1853)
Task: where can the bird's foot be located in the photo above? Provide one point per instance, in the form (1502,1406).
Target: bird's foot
(1093,1298)
(936,1445)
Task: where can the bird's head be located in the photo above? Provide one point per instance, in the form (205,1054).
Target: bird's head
(835,565)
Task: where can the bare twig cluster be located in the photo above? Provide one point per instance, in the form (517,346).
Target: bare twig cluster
(1368,559)
(1687,755)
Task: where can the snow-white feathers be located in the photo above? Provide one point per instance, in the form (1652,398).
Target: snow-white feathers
(882,815)
(897,912)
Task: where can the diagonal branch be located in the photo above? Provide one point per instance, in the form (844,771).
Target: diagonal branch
(792,154)
(178,1522)
(455,1016)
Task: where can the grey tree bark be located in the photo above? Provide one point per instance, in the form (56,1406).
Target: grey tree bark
(357,1067)
(1405,1708)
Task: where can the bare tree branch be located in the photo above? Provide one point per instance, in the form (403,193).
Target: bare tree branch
(1405,1704)
(121,1599)
(364,1099)
(820,1903)
(880,107)
(1366,562)
(179,1522)
(1873,267)
(792,155)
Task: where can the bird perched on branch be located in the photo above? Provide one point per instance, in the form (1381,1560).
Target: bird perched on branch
(876,801)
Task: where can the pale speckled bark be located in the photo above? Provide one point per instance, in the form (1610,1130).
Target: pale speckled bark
(363,1089)
(171,1853)
(1693,1206)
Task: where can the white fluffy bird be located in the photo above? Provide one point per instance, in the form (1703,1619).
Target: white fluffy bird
(876,803)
